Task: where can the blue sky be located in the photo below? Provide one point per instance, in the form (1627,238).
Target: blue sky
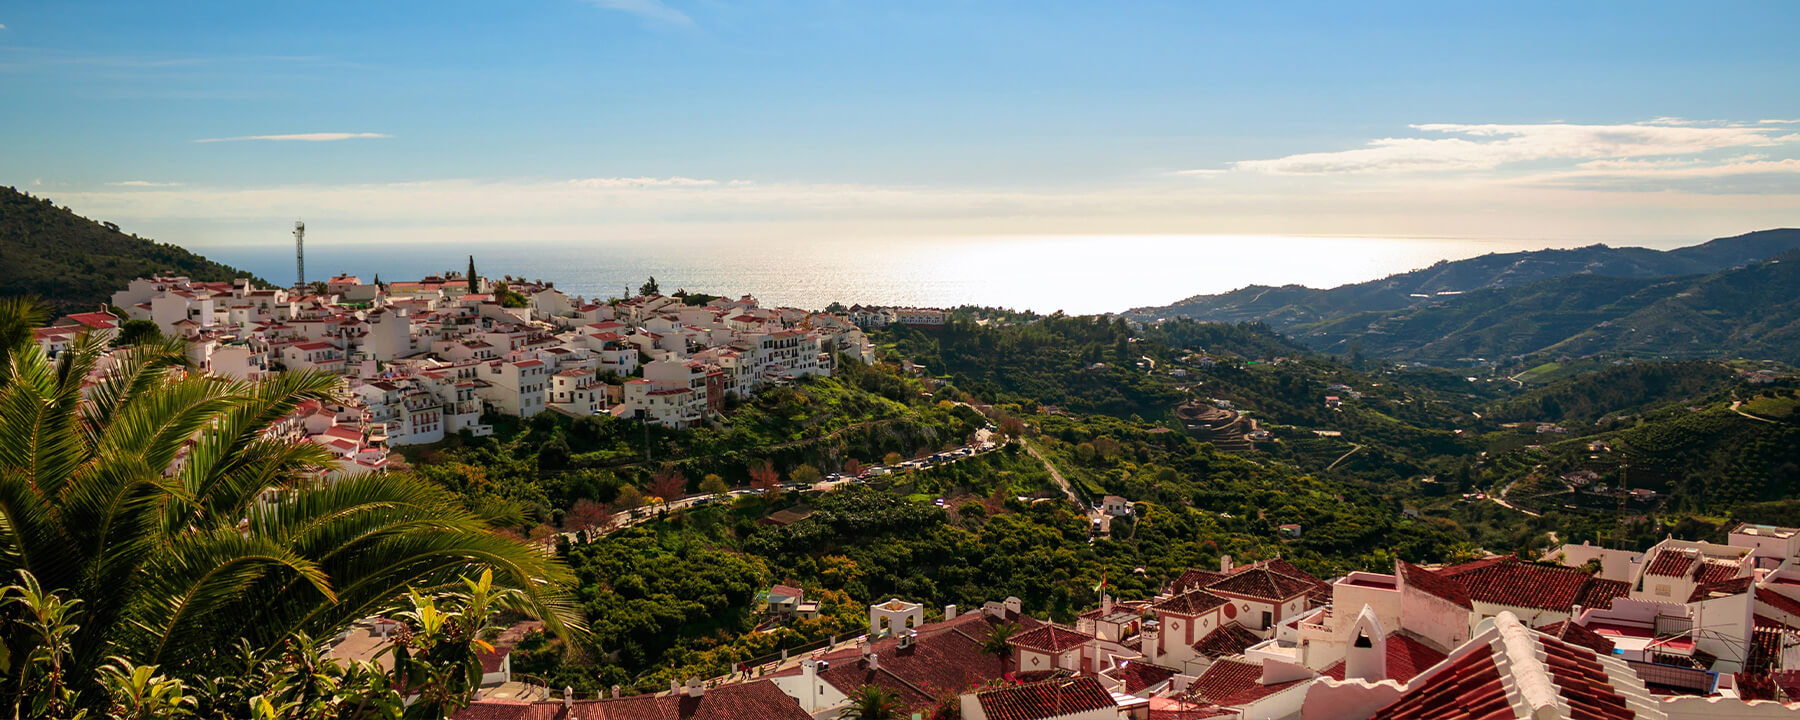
(1573,122)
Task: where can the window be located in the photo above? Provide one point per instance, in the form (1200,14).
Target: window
(1267,618)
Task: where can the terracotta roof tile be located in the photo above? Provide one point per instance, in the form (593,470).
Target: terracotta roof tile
(1670,563)
(1225,640)
(1431,583)
(1049,699)
(1571,633)
(1262,583)
(1714,571)
(1135,675)
(1779,602)
(1518,584)
(1194,602)
(1472,686)
(1406,658)
(759,699)
(1050,638)
(1234,682)
(1600,593)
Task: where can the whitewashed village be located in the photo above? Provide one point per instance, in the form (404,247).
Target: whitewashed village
(1665,633)
(424,359)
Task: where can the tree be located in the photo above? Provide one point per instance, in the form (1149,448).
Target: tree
(872,702)
(238,542)
(649,287)
(995,643)
(853,467)
(712,484)
(439,657)
(472,283)
(763,477)
(137,331)
(892,458)
(805,474)
(630,498)
(668,484)
(587,514)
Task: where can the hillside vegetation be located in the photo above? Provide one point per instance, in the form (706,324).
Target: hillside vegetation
(1750,311)
(74,264)
(1582,300)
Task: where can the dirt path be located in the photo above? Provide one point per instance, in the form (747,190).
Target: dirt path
(1353,448)
(1735,404)
(1054,473)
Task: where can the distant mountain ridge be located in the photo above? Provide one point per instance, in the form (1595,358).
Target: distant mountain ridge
(1749,311)
(1288,306)
(74,264)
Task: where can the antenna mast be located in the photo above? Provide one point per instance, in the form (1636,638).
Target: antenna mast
(299,254)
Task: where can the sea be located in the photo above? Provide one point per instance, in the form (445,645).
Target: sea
(1085,274)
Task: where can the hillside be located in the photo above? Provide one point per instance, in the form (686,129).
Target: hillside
(1751,311)
(1287,307)
(73,263)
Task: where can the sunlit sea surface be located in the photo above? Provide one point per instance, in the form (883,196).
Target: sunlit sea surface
(1075,274)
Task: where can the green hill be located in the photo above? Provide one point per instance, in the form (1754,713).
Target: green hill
(74,264)
(1748,311)
(1291,308)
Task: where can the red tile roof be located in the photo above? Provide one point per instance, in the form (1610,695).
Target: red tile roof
(1049,699)
(1192,578)
(1430,583)
(759,699)
(1136,675)
(945,657)
(1406,658)
(1467,689)
(1713,571)
(1571,633)
(1723,588)
(1779,602)
(1050,638)
(1670,563)
(1194,602)
(1518,584)
(1262,583)
(1225,640)
(1600,593)
(1234,682)
(1471,686)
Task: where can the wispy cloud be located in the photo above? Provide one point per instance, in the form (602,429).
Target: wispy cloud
(300,137)
(647,9)
(145,183)
(643,182)
(1552,152)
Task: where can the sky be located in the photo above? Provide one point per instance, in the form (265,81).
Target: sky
(204,123)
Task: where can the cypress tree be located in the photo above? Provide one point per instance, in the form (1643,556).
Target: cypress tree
(472,273)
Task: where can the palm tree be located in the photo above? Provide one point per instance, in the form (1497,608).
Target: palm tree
(996,642)
(872,702)
(156,498)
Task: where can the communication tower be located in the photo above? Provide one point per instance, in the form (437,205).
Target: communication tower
(299,254)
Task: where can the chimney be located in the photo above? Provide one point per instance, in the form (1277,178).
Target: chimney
(1225,563)
(695,688)
(615,690)
(568,697)
(674,686)
(1105,604)
(949,613)
(1014,606)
